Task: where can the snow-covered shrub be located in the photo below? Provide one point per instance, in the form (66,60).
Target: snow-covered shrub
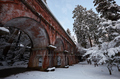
(106,52)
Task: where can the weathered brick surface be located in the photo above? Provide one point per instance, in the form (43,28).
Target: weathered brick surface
(38,23)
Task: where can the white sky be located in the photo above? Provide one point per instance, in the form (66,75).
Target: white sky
(62,10)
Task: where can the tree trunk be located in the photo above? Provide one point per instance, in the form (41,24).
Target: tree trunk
(90,40)
(118,68)
(18,39)
(6,49)
(110,72)
(95,38)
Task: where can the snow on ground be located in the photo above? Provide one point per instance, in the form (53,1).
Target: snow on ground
(78,71)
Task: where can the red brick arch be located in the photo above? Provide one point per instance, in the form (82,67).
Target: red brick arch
(32,28)
(59,44)
(39,38)
(59,59)
(36,20)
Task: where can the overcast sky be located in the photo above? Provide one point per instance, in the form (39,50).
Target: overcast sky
(62,10)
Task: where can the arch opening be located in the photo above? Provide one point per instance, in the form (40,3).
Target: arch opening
(59,44)
(60,56)
(15,47)
(24,28)
(33,28)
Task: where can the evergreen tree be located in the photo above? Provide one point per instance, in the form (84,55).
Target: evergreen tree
(68,31)
(109,51)
(108,9)
(85,25)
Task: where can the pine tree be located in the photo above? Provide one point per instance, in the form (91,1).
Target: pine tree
(68,31)
(108,9)
(85,25)
(109,51)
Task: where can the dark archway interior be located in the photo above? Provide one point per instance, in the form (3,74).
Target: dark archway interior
(15,48)
(23,34)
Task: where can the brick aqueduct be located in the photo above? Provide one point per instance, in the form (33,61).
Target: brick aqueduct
(50,42)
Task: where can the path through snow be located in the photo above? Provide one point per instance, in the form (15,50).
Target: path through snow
(78,71)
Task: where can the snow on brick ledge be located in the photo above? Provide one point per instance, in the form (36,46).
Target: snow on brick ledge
(66,51)
(51,69)
(52,47)
(67,66)
(4,29)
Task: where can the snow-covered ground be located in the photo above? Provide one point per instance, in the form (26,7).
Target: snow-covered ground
(78,71)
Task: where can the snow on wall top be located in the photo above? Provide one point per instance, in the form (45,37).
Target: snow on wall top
(56,20)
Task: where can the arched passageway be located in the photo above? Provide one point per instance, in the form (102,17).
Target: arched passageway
(59,53)
(38,38)
(15,47)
